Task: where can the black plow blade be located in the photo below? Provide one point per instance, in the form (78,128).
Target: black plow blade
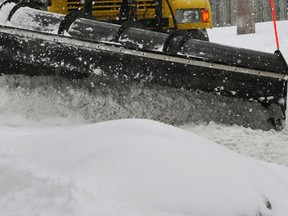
(90,47)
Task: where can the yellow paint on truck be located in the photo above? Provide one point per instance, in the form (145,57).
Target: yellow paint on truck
(188,14)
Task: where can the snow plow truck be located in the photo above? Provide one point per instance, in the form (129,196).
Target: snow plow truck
(160,42)
(156,15)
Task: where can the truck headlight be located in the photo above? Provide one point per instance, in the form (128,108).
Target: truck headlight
(192,15)
(188,16)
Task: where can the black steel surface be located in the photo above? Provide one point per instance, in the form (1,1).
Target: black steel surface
(138,56)
(35,56)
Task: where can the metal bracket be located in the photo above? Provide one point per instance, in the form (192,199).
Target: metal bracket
(8,1)
(20,5)
(169,45)
(125,26)
(70,18)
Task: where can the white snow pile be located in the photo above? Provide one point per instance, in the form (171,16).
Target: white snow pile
(91,100)
(262,40)
(131,168)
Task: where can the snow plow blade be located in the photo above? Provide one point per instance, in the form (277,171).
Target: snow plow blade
(36,42)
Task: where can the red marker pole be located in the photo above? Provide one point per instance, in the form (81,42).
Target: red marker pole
(274,22)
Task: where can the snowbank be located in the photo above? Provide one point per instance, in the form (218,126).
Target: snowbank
(263,39)
(132,167)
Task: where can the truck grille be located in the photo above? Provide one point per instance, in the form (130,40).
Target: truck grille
(106,5)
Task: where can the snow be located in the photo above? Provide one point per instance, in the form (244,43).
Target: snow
(5,11)
(58,158)
(132,167)
(263,39)
(270,146)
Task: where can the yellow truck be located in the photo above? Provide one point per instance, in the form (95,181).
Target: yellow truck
(156,15)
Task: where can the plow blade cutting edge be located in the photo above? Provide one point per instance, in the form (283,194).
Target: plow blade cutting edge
(36,42)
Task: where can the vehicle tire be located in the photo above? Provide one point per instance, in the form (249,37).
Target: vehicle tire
(199,34)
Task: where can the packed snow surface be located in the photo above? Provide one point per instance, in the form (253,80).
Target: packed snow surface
(132,167)
(58,158)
